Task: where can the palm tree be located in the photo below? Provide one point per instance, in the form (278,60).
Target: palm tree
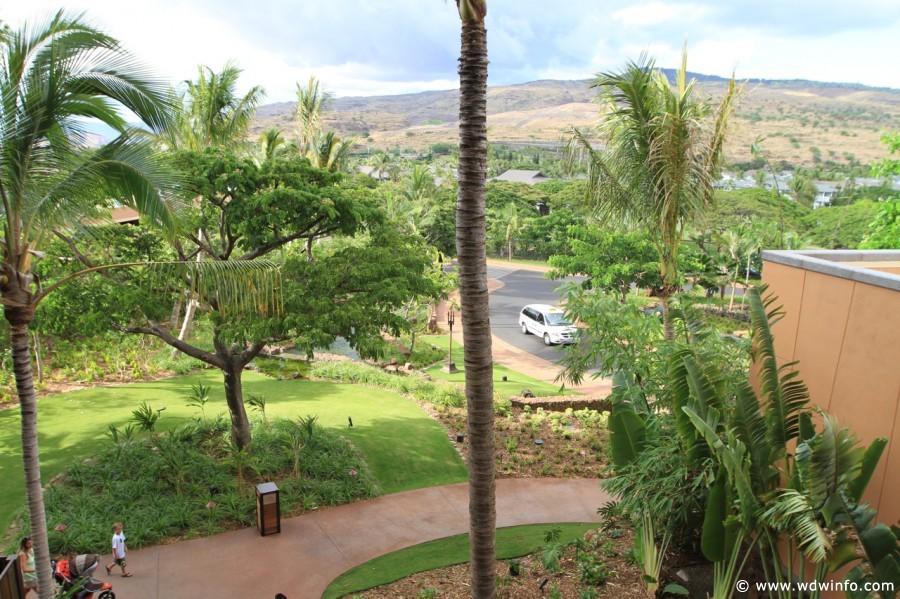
(661,157)
(329,152)
(311,101)
(804,190)
(50,76)
(470,247)
(211,113)
(509,214)
(270,146)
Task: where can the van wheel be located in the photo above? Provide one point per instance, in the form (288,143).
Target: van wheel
(547,339)
(524,328)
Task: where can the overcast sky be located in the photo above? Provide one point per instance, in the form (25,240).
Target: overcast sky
(372,47)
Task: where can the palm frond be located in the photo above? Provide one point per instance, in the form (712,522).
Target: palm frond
(830,461)
(791,511)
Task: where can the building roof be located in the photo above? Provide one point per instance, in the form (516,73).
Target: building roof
(521,176)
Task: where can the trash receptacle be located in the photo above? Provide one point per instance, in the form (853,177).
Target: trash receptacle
(268,509)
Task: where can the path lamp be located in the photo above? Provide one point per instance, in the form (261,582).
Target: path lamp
(451,366)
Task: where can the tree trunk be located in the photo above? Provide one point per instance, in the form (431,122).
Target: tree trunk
(176,313)
(19,319)
(470,245)
(234,396)
(185,326)
(664,294)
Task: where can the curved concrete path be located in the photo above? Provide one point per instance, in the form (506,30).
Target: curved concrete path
(315,548)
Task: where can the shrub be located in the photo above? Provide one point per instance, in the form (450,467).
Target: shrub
(183,484)
(414,384)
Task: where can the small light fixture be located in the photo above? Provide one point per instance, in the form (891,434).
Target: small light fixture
(538,441)
(504,378)
(460,437)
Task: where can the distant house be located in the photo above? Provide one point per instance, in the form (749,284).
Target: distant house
(375,173)
(124,215)
(519,176)
(826,191)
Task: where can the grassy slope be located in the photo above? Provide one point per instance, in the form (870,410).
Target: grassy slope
(405,449)
(511,542)
(514,384)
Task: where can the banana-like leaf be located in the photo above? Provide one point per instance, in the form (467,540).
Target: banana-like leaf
(869,462)
(628,436)
(785,398)
(712,540)
(829,461)
(879,543)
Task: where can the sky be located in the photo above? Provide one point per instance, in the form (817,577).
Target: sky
(381,47)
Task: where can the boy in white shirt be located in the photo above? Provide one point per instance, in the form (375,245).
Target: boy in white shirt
(118,550)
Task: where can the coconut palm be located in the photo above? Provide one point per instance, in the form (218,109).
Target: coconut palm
(470,247)
(211,113)
(509,217)
(51,75)
(311,101)
(329,152)
(661,158)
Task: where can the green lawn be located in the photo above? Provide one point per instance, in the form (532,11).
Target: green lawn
(511,542)
(405,449)
(513,385)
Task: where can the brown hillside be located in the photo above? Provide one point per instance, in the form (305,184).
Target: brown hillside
(800,119)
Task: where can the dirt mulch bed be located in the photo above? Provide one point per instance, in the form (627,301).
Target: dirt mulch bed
(624,577)
(537,443)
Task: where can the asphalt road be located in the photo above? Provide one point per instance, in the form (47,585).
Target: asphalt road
(520,288)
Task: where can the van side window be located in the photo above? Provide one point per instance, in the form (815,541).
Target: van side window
(540,319)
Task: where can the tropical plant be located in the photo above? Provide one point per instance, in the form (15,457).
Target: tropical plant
(311,101)
(210,113)
(661,157)
(470,245)
(257,401)
(145,417)
(198,398)
(51,75)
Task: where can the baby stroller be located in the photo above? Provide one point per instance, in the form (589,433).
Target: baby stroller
(75,576)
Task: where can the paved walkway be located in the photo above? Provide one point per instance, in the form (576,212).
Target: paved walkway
(314,549)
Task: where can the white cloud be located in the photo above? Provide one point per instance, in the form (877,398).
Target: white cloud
(367,47)
(659,12)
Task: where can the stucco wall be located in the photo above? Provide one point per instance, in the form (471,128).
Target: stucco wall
(845,334)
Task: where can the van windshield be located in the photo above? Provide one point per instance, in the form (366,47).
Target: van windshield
(557,319)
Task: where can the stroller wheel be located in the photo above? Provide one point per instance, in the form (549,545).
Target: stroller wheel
(107,595)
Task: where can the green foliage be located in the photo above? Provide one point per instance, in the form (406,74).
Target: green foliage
(438,393)
(835,227)
(612,261)
(199,397)
(257,401)
(884,230)
(164,492)
(145,417)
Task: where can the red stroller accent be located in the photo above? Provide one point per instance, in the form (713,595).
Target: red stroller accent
(75,576)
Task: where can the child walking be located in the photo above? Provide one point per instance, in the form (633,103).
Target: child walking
(118,550)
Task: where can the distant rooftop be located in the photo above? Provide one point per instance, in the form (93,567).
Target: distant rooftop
(520,176)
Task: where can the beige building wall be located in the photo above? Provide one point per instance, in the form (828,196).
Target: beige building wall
(842,324)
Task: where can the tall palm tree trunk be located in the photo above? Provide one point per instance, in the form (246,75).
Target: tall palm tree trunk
(19,319)
(470,245)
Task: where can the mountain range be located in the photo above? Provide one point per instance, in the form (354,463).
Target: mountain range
(803,122)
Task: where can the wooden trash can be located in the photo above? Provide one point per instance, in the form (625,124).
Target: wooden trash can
(268,509)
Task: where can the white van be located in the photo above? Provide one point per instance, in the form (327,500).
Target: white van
(547,322)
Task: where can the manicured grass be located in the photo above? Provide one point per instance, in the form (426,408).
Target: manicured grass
(519,262)
(405,449)
(512,386)
(511,542)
